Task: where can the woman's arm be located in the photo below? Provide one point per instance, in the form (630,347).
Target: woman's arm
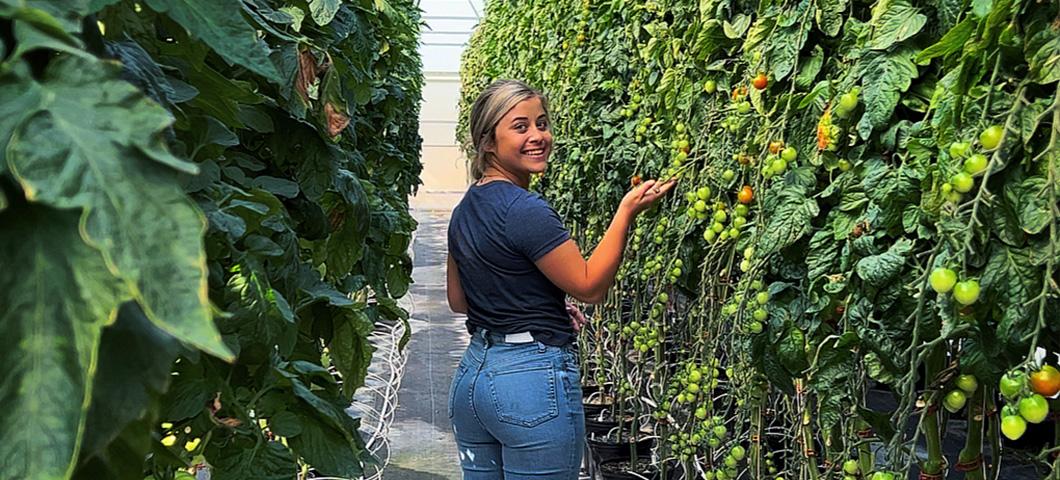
(453,290)
(588,281)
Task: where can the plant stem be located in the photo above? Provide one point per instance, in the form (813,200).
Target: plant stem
(930,425)
(973,443)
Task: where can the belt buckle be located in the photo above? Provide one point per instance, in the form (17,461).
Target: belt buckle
(521,337)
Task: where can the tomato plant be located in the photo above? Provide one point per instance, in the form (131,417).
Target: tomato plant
(205,214)
(898,180)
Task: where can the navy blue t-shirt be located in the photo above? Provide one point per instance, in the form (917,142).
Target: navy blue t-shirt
(496,234)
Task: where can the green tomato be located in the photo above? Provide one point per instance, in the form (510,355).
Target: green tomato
(946,188)
(789,154)
(883,476)
(848,101)
(743,107)
(720,431)
(745,265)
(991,137)
(1012,383)
(1013,426)
(760,314)
(748,253)
(967,383)
(703,193)
(959,149)
(663,297)
(738,452)
(680,127)
(962,182)
(1034,408)
(954,400)
(709,235)
(690,197)
(739,222)
(717,227)
(755,327)
(762,298)
(778,165)
(966,292)
(720,216)
(734,233)
(975,163)
(700,206)
(728,175)
(942,279)
(676,272)
(710,86)
(741,210)
(850,467)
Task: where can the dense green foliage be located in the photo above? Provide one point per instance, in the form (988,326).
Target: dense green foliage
(203,212)
(874,181)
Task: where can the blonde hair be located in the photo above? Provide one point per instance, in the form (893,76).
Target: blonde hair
(488,110)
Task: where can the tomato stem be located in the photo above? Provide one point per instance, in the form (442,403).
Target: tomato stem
(973,443)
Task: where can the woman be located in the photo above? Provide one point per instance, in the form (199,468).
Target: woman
(515,401)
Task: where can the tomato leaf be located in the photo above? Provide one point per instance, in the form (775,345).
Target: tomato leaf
(220,24)
(882,268)
(115,164)
(1009,281)
(884,76)
(350,349)
(1031,203)
(243,459)
(58,307)
(787,42)
(790,221)
(829,16)
(1045,60)
(894,21)
(951,42)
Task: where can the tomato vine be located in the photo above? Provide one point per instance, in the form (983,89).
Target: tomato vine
(203,214)
(877,143)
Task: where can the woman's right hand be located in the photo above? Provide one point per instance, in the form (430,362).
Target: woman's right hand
(644,196)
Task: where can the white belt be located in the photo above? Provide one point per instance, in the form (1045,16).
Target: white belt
(521,337)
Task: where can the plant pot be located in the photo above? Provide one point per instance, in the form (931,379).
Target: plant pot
(606,450)
(620,470)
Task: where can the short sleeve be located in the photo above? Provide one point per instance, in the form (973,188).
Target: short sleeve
(533,228)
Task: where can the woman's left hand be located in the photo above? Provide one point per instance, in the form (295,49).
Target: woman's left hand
(577,318)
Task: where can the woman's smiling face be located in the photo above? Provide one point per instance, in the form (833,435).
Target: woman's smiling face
(523,139)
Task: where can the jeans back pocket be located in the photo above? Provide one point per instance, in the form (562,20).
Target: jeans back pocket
(524,396)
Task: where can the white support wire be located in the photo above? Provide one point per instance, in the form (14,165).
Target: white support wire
(376,401)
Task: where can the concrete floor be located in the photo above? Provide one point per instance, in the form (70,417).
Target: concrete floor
(421,438)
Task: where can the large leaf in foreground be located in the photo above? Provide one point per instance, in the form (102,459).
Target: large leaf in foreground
(220,24)
(56,296)
(94,145)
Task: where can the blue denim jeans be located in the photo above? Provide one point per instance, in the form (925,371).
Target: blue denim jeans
(517,411)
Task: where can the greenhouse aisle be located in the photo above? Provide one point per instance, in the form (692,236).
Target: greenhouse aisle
(421,442)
